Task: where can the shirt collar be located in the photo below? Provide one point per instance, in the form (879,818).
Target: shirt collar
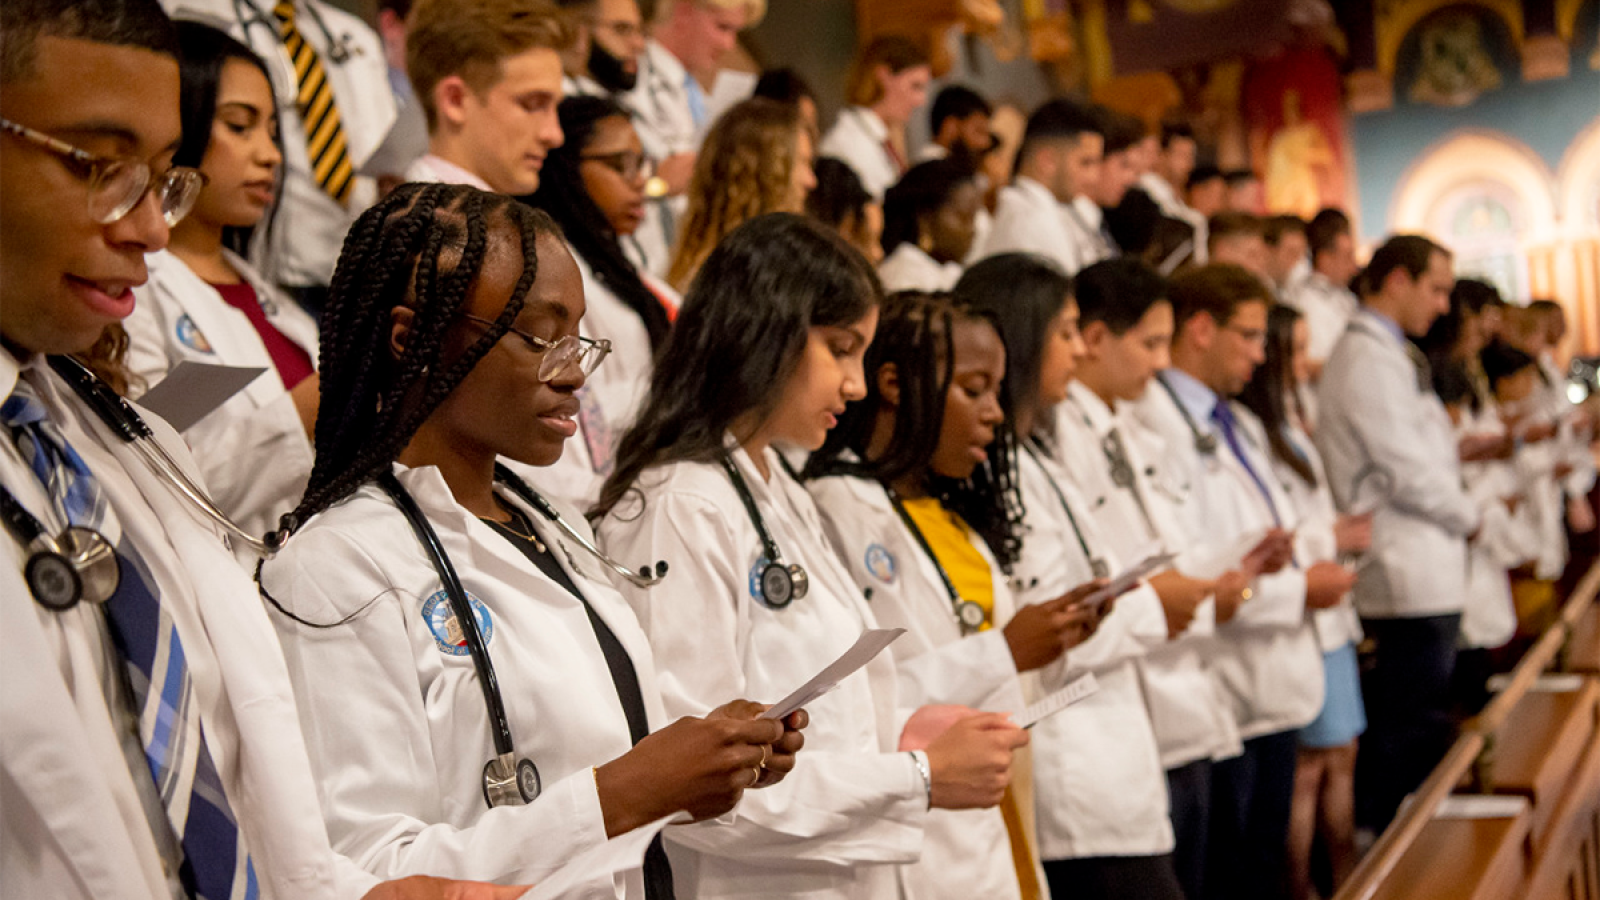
(1039,192)
(870,123)
(1089,211)
(1197,399)
(449,173)
(1100,417)
(10,371)
(666,64)
(1387,324)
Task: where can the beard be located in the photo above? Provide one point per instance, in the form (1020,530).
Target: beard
(608,70)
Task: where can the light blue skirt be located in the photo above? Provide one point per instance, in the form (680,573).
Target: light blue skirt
(1343,717)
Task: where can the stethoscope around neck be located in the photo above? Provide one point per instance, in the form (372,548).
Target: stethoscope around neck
(968,614)
(508,780)
(781,583)
(1205,443)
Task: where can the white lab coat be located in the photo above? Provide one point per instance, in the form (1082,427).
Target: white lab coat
(852,807)
(857,138)
(1085,219)
(1097,774)
(1327,308)
(1505,539)
(1029,219)
(1187,710)
(909,268)
(253,450)
(666,127)
(966,853)
(1266,658)
(73,824)
(399,748)
(1373,411)
(1314,539)
(308,225)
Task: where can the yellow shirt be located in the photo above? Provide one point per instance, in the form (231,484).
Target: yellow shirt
(954,546)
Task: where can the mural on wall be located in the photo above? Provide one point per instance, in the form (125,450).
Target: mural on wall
(1451,56)
(1293,116)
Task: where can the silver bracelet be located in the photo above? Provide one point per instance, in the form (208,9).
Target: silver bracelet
(920,757)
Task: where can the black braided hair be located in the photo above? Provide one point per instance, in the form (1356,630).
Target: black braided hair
(562,194)
(916,333)
(421,247)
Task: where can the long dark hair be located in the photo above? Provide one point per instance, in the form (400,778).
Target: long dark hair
(422,247)
(205,51)
(561,193)
(1022,293)
(916,335)
(738,337)
(1272,391)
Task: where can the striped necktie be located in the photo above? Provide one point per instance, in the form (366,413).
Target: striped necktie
(319,113)
(216,865)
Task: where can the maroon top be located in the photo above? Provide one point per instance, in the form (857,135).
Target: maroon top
(292,362)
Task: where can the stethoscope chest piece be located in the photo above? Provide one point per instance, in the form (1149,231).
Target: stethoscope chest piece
(971,616)
(508,783)
(783,584)
(79,565)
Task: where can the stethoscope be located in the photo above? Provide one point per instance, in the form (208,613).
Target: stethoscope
(80,564)
(508,780)
(1204,443)
(781,583)
(1120,468)
(339,50)
(1097,566)
(968,614)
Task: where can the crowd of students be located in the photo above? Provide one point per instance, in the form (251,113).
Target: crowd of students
(375,624)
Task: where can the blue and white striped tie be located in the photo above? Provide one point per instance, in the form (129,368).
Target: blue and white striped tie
(216,865)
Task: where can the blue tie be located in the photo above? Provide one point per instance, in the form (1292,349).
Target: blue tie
(1222,416)
(169,725)
(697,100)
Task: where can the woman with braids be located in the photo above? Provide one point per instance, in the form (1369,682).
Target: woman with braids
(593,186)
(452,338)
(1325,767)
(1099,790)
(205,304)
(929,220)
(907,480)
(767,350)
(756,159)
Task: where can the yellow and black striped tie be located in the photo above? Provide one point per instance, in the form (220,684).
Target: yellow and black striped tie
(319,114)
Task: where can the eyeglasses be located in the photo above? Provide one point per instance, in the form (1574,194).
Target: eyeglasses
(628,164)
(1254,336)
(625,31)
(568,350)
(117,185)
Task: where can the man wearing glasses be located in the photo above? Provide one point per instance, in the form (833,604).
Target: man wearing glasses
(1265,659)
(149,748)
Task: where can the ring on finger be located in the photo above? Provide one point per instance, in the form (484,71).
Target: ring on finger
(766,753)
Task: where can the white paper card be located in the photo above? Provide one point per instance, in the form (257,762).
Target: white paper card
(576,876)
(192,390)
(1129,577)
(870,644)
(1082,686)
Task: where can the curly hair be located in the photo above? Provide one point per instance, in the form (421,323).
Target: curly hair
(744,170)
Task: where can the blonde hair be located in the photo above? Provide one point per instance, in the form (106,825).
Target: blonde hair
(744,169)
(754,10)
(469,38)
(892,51)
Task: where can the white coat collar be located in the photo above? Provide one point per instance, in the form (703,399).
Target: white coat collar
(11,370)
(1035,193)
(437,170)
(1096,414)
(869,122)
